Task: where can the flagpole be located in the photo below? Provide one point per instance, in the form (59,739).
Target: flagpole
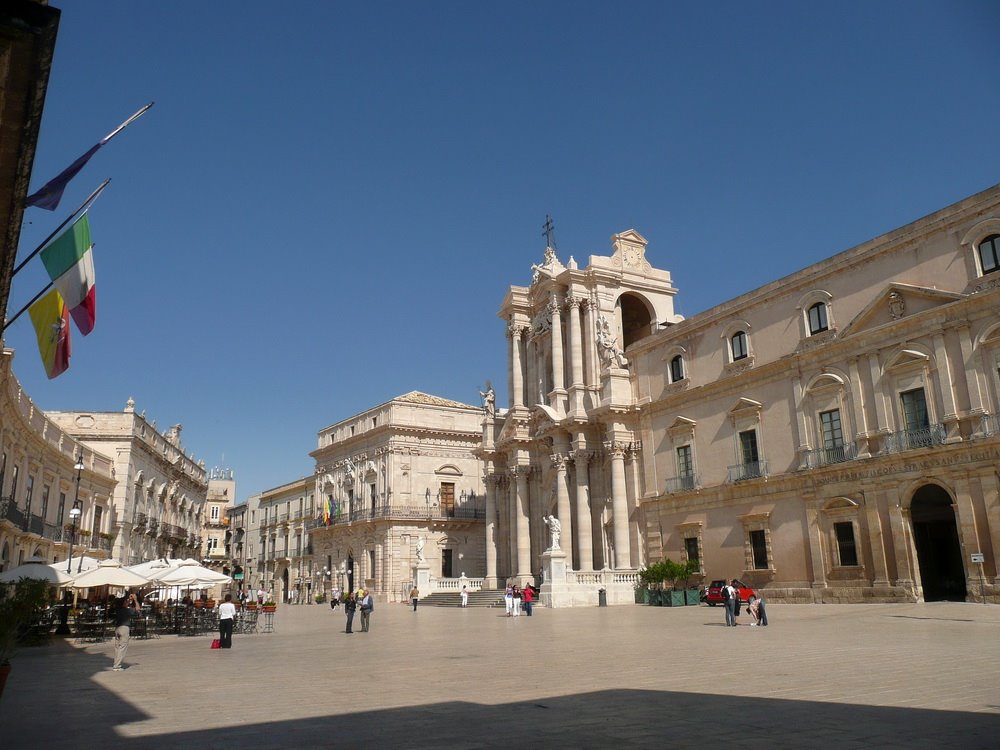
(125,124)
(21,312)
(83,206)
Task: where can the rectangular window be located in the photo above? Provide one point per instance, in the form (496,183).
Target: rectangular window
(13,482)
(845,543)
(446,560)
(448,498)
(27,495)
(373,496)
(62,509)
(685,466)
(215,512)
(817,318)
(98,512)
(253,517)
(45,502)
(350,502)
(691,547)
(914,409)
(748,448)
(833,435)
(758,546)
(3,470)
(739,342)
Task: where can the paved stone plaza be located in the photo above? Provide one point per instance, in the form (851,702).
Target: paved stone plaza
(906,675)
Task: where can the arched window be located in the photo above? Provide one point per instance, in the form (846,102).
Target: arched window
(818,319)
(677,369)
(989,254)
(739,345)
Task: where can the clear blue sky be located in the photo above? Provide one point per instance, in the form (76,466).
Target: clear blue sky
(328,202)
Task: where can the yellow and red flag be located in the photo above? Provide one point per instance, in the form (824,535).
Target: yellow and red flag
(50,317)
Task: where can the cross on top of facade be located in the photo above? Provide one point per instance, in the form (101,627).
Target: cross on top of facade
(548,232)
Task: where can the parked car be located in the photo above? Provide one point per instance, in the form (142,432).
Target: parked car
(714,595)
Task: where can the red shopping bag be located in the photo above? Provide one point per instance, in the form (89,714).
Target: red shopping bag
(216,643)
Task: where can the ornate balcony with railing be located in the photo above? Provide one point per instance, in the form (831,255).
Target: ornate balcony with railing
(403,512)
(10,512)
(920,437)
(826,456)
(749,470)
(683,483)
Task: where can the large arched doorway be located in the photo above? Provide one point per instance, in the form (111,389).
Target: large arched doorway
(939,553)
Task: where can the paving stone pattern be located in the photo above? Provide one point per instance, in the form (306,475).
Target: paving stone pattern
(844,676)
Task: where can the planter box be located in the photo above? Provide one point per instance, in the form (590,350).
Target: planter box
(654,597)
(692,597)
(673,598)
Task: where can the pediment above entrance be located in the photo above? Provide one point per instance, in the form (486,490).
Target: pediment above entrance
(898,301)
(630,252)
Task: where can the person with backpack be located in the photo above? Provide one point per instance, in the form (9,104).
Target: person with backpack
(350,606)
(367,607)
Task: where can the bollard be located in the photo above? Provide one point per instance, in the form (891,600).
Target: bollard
(602,597)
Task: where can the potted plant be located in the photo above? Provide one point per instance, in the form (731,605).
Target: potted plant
(692,593)
(19,607)
(269,605)
(671,573)
(320,598)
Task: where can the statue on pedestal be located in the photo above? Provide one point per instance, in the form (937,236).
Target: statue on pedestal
(555,530)
(489,397)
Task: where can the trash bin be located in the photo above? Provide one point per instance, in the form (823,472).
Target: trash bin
(602,597)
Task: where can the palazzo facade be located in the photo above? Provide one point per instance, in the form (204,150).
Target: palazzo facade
(830,436)
(405,498)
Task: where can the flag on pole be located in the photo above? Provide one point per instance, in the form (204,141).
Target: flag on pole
(50,316)
(326,511)
(49,195)
(69,259)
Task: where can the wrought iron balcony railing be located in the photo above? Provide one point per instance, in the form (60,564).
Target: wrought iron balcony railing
(749,470)
(920,437)
(683,483)
(835,455)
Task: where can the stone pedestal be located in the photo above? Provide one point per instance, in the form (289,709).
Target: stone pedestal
(555,589)
(422,575)
(616,388)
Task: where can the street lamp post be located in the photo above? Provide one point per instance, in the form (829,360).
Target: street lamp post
(75,512)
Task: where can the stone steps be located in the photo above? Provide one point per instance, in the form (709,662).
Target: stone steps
(488,598)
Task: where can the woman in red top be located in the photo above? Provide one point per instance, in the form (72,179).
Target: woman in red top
(528,595)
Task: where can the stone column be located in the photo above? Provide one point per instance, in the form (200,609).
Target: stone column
(583,531)
(860,418)
(947,387)
(516,376)
(558,376)
(968,531)
(971,375)
(801,424)
(575,356)
(901,539)
(876,542)
(881,420)
(514,525)
(491,532)
(619,506)
(592,373)
(562,502)
(523,526)
(815,537)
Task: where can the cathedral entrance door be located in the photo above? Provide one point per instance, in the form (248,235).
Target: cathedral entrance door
(939,553)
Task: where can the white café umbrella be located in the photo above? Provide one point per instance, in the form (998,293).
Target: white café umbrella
(36,570)
(109,573)
(150,568)
(192,575)
(77,564)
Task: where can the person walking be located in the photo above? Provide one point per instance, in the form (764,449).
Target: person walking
(367,607)
(227,618)
(465,597)
(528,595)
(517,600)
(350,605)
(508,599)
(414,596)
(123,610)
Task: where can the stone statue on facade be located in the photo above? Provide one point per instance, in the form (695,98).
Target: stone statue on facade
(555,531)
(489,397)
(420,548)
(548,264)
(611,354)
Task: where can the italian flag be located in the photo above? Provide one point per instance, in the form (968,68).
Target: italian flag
(50,316)
(70,262)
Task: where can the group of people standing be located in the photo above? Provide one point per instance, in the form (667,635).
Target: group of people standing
(755,606)
(514,597)
(353,601)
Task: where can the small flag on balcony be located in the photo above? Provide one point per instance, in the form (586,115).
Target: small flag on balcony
(50,317)
(326,511)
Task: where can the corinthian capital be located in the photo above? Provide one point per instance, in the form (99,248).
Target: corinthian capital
(573,302)
(558,461)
